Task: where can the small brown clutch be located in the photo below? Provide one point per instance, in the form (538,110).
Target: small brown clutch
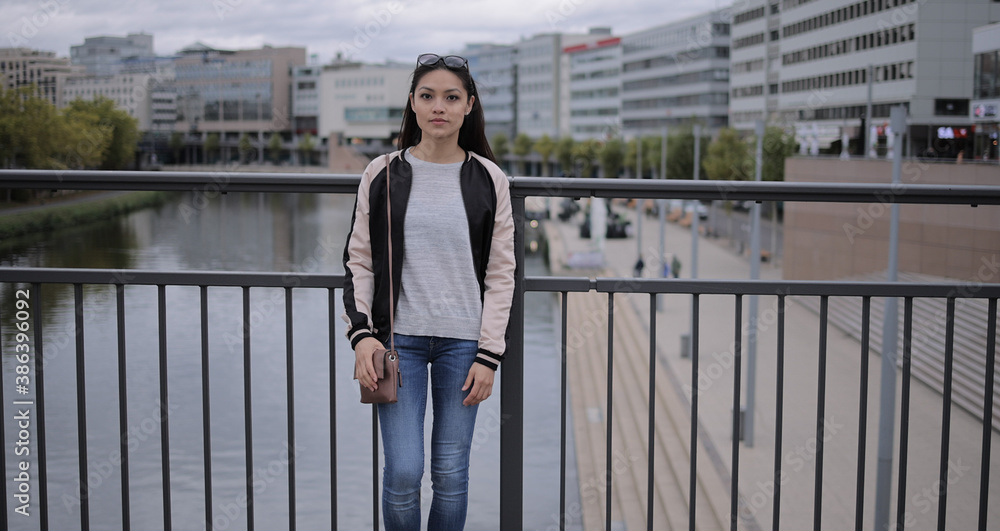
(388,378)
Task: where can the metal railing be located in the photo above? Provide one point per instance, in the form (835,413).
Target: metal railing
(511,387)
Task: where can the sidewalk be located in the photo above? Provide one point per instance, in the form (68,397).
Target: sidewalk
(801,376)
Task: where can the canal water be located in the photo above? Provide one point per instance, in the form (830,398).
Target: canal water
(234,232)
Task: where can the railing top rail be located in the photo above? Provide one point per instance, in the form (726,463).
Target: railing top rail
(52,275)
(182,181)
(537,283)
(232,181)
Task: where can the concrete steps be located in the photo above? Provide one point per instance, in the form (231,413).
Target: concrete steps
(928,341)
(588,371)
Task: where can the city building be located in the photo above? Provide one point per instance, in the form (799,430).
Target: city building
(362,104)
(595,89)
(542,78)
(985,109)
(676,74)
(23,67)
(103,56)
(810,64)
(305,99)
(492,66)
(232,93)
(131,93)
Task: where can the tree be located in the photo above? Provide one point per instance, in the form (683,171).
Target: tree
(211,146)
(651,146)
(584,154)
(650,155)
(123,132)
(31,131)
(85,138)
(545,146)
(522,147)
(500,147)
(274,145)
(680,155)
(306,146)
(629,155)
(564,153)
(176,145)
(729,158)
(611,155)
(778,146)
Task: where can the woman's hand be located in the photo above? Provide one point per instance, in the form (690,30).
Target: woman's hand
(480,379)
(364,368)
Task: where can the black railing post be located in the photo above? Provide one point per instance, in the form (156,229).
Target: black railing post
(512,392)
(43,468)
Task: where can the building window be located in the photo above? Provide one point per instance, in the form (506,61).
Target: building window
(951,107)
(986,78)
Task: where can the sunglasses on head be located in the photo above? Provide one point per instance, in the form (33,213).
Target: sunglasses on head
(451,61)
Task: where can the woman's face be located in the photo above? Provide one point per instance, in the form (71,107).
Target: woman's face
(440,103)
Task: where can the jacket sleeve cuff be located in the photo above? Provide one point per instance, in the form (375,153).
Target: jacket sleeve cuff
(488,359)
(356,338)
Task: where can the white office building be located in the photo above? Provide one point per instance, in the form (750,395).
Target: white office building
(985,111)
(676,74)
(103,56)
(807,64)
(492,66)
(144,88)
(362,105)
(595,89)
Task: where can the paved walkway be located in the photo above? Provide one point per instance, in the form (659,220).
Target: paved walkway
(799,454)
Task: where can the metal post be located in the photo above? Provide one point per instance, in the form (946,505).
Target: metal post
(661,211)
(512,393)
(694,221)
(754,275)
(638,202)
(868,111)
(890,329)
(686,347)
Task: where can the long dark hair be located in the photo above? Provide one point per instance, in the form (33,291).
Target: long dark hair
(471,136)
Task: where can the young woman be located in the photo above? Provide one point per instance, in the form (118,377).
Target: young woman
(453,275)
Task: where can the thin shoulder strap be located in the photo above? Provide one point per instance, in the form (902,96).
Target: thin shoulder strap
(392,292)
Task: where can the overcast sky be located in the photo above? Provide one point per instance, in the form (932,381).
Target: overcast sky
(366,30)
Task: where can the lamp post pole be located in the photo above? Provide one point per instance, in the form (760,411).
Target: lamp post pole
(890,344)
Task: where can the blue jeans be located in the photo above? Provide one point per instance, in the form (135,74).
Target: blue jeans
(402,426)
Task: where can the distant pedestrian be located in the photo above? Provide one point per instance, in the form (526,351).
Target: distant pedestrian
(675,266)
(639,266)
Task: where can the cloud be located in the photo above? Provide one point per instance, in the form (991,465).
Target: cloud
(394,29)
